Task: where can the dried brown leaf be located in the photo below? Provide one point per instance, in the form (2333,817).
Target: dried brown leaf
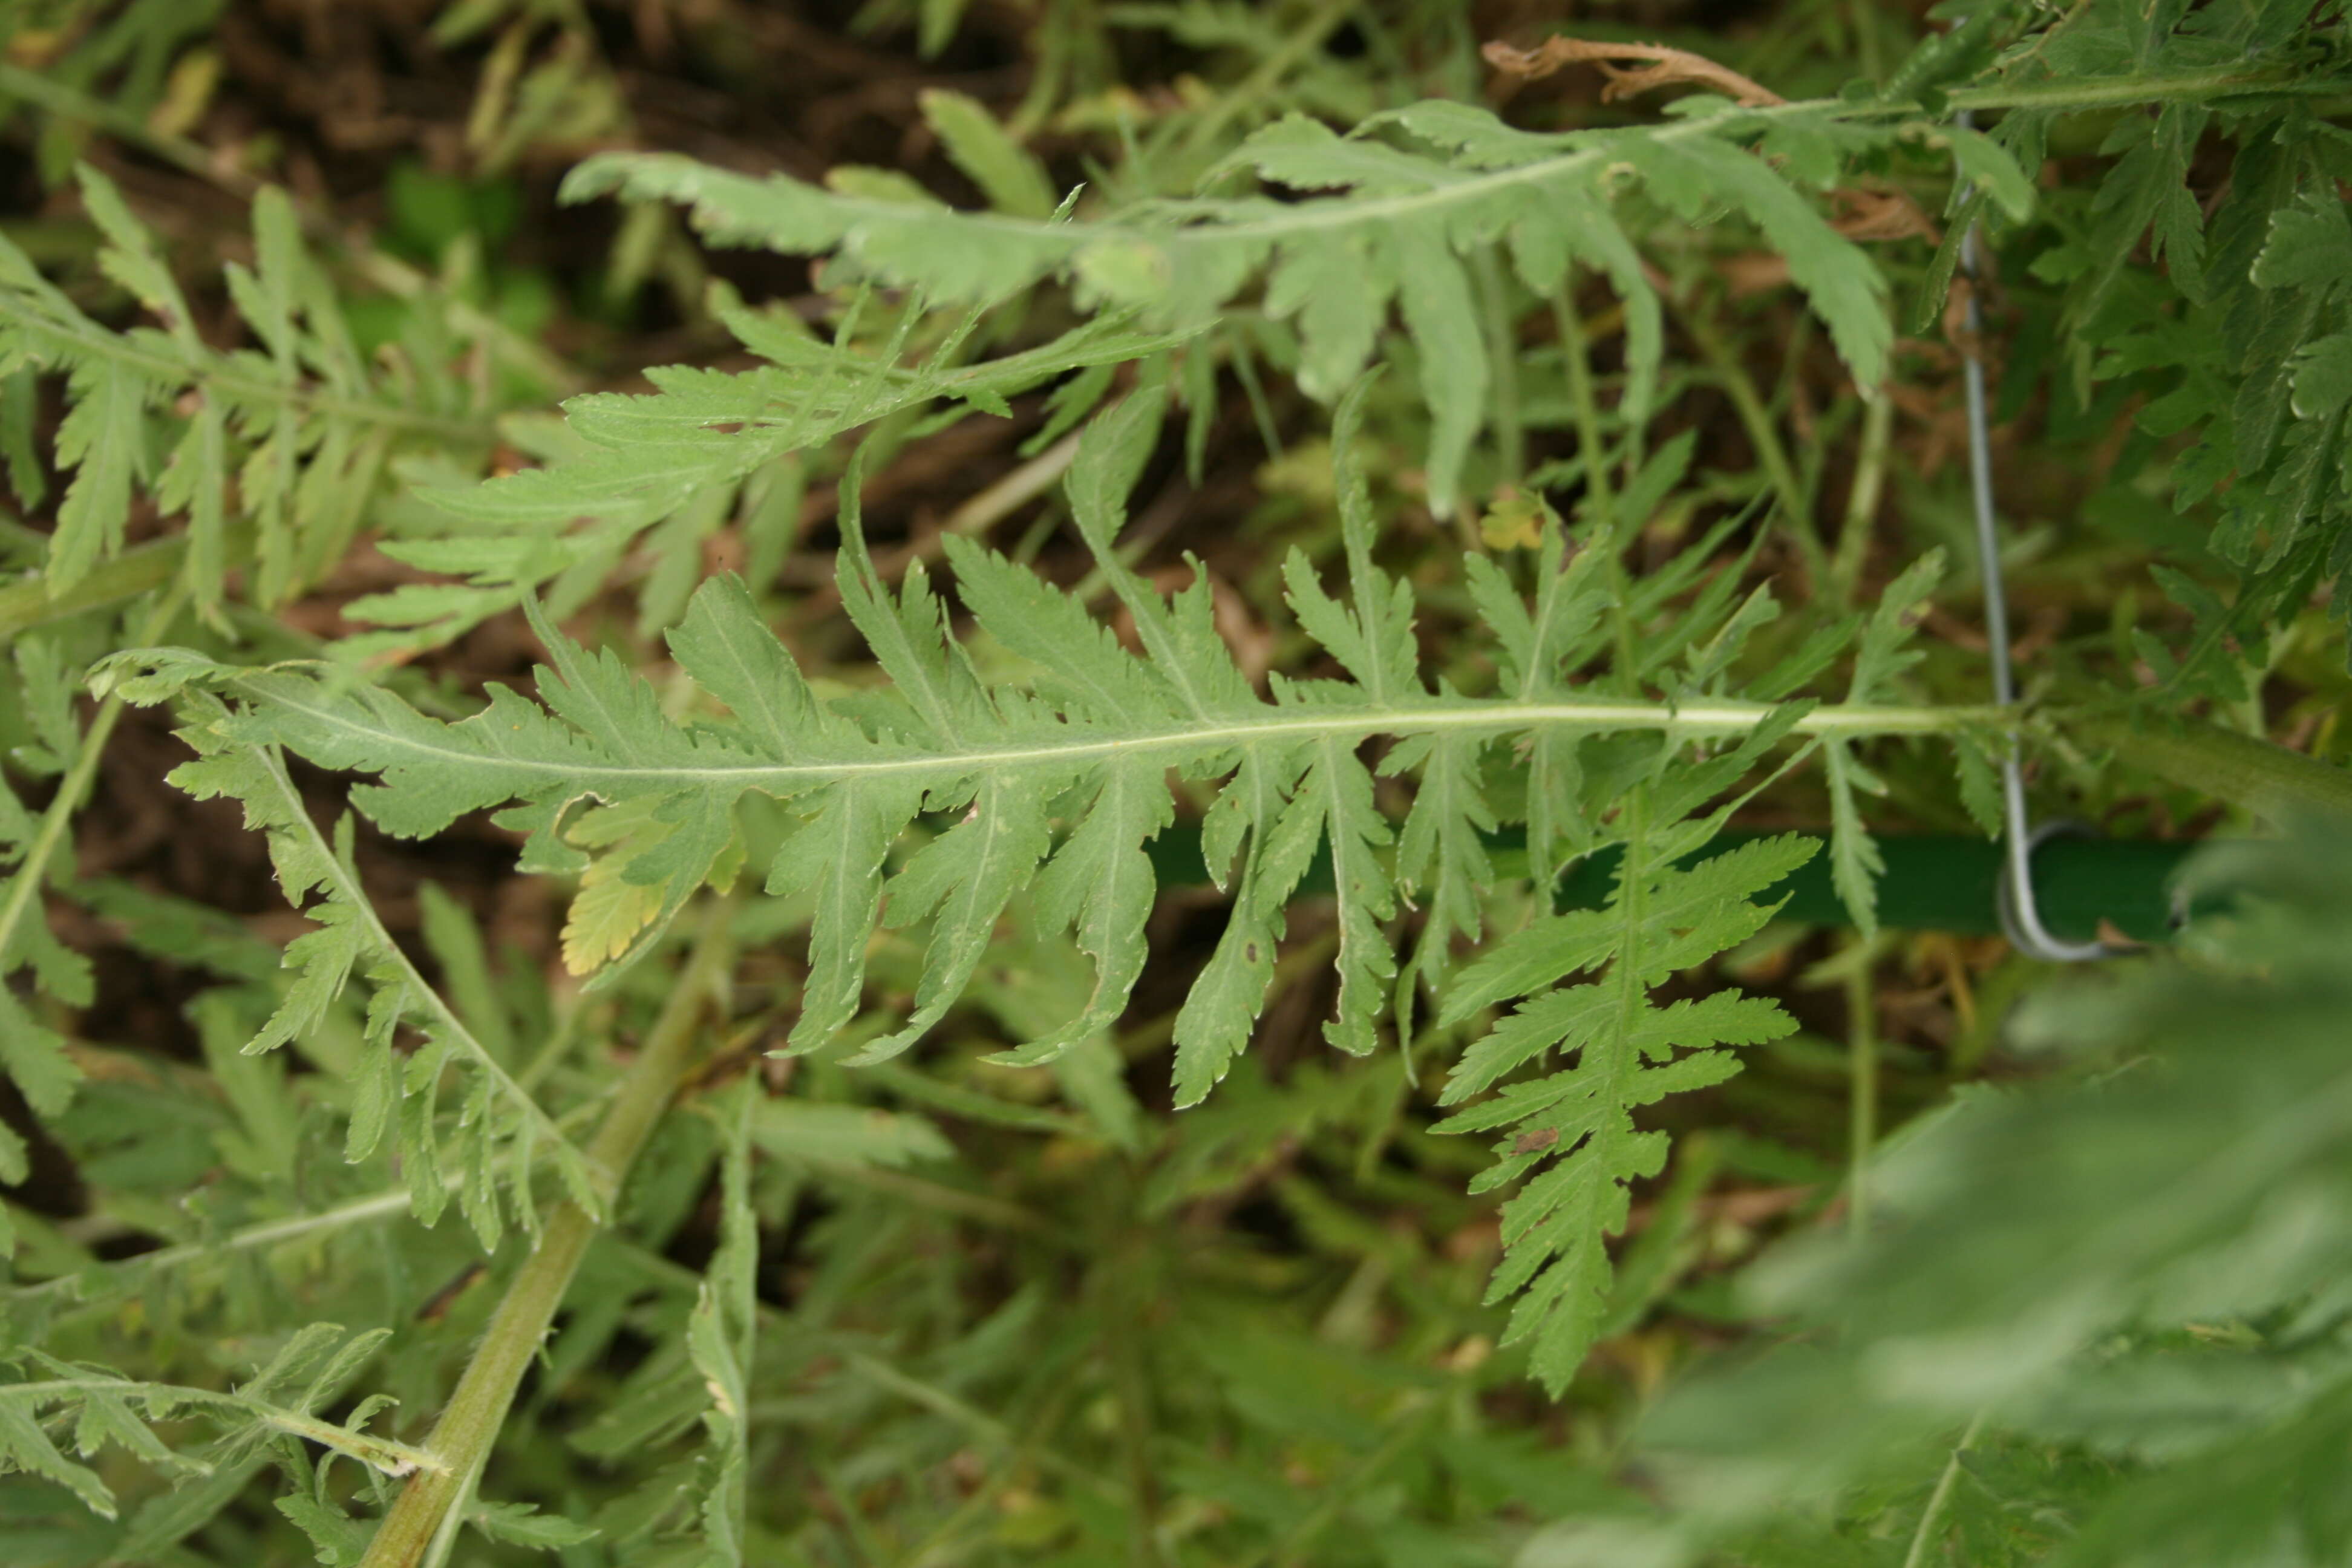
(1667,66)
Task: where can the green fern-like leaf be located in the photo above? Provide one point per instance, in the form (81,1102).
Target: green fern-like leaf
(106,1409)
(1399,226)
(32,1054)
(937,740)
(1059,782)
(2233,344)
(696,447)
(501,1129)
(1571,1134)
(301,430)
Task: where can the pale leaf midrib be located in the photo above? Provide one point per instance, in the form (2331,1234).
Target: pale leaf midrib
(1292,724)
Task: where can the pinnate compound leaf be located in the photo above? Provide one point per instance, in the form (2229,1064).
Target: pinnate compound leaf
(1390,220)
(1061,782)
(300,428)
(504,1126)
(1571,1132)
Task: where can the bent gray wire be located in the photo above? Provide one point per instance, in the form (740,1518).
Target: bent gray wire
(2021,915)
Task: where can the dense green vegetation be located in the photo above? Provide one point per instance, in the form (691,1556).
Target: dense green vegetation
(1068,783)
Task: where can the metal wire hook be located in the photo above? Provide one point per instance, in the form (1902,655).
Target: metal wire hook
(2020,916)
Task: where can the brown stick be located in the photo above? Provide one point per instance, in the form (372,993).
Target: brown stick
(1668,65)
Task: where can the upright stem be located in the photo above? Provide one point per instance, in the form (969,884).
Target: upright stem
(1503,351)
(1261,82)
(1131,1389)
(1576,357)
(1862,1091)
(424,1517)
(25,890)
(1923,1538)
(141,569)
(2260,775)
(1765,436)
(1865,40)
(1861,500)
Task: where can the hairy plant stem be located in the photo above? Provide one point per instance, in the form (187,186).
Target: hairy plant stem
(1861,499)
(2182,87)
(1756,419)
(2266,779)
(1278,64)
(1576,355)
(31,871)
(424,1517)
(1503,353)
(1862,1080)
(27,604)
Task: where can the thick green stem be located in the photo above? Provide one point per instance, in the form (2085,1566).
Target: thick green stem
(2182,87)
(2267,780)
(430,1506)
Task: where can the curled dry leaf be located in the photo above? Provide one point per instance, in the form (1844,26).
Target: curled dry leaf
(1667,66)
